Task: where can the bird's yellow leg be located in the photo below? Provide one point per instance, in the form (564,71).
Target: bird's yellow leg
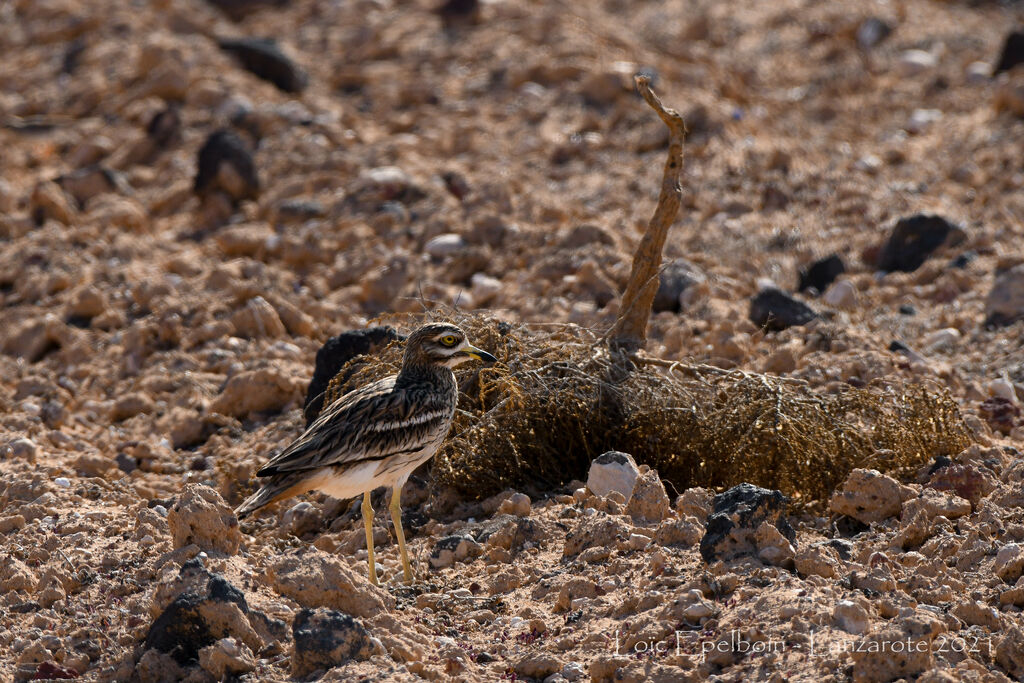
(396,517)
(368,523)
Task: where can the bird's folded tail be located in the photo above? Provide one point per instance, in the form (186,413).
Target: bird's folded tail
(279,487)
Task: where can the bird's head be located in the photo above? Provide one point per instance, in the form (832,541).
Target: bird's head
(441,344)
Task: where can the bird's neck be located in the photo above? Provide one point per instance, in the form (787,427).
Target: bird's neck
(414,374)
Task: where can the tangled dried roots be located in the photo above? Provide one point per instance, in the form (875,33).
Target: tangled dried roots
(556,399)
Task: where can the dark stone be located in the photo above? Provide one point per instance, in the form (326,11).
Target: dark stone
(72,54)
(326,638)
(907,309)
(268,627)
(182,629)
(239,9)
(751,506)
(458,10)
(448,544)
(53,414)
(456,184)
(871,32)
(1000,413)
(847,527)
(774,310)
(25,607)
(843,547)
(522,529)
(1013,52)
(822,273)
(262,57)
(299,210)
(334,354)
(617,457)
(225,149)
(674,279)
(964,259)
(940,462)
(126,463)
(164,129)
(897,346)
(913,240)
(51,671)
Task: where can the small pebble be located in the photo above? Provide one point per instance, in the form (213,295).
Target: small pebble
(63,482)
(913,62)
(978,73)
(842,294)
(445,245)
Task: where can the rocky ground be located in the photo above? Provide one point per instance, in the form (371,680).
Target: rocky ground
(187,214)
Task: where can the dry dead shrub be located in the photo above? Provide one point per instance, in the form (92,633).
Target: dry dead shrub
(557,398)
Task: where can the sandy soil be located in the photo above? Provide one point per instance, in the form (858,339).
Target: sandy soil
(157,344)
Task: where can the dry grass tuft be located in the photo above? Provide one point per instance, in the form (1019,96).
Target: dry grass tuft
(556,399)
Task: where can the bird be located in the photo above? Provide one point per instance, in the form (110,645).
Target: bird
(377,434)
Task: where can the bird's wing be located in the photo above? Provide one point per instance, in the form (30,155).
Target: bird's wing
(370,423)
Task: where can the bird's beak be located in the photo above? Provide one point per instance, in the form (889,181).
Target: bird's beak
(479,354)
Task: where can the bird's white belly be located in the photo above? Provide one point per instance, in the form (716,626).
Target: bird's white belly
(360,478)
(355,480)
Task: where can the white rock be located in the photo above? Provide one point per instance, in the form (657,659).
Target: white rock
(517,504)
(483,287)
(913,62)
(697,611)
(869,163)
(1003,388)
(445,245)
(1009,562)
(612,471)
(978,72)
(850,617)
(637,542)
(920,119)
(941,340)
(842,294)
(62,482)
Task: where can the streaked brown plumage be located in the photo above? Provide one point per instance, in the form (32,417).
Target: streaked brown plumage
(378,434)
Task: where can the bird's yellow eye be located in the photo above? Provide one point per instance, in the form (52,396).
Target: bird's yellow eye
(448,340)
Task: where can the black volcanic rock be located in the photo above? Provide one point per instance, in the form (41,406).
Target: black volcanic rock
(675,278)
(264,58)
(774,310)
(1013,52)
(735,516)
(913,240)
(225,164)
(190,622)
(333,355)
(326,638)
(822,273)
